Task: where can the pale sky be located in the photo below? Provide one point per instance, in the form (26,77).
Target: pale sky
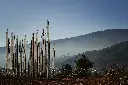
(67,18)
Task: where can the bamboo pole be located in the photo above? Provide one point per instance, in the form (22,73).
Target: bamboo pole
(25,55)
(8,57)
(47,29)
(37,52)
(17,72)
(31,58)
(53,59)
(15,59)
(35,76)
(48,60)
(20,50)
(39,60)
(43,52)
(12,52)
(28,69)
(9,66)
(33,55)
(42,61)
(7,62)
(45,62)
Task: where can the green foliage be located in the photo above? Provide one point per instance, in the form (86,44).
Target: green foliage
(66,70)
(84,63)
(82,66)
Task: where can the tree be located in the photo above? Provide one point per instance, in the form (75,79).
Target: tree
(66,69)
(84,63)
(82,66)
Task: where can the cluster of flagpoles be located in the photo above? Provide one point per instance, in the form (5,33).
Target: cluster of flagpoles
(38,60)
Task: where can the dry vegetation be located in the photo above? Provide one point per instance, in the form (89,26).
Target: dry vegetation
(110,78)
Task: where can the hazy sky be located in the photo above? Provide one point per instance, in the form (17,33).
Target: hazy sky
(67,17)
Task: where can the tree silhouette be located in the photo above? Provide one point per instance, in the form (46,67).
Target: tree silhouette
(66,69)
(84,63)
(82,66)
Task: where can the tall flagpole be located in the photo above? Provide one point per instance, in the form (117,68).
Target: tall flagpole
(53,60)
(12,52)
(48,59)
(7,61)
(25,55)
(17,72)
(37,53)
(39,61)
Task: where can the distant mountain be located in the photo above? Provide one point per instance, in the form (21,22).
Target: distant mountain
(92,41)
(74,45)
(116,54)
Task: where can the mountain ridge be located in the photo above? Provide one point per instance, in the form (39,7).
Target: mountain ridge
(84,35)
(73,46)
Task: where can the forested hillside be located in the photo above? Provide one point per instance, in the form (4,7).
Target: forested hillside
(117,53)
